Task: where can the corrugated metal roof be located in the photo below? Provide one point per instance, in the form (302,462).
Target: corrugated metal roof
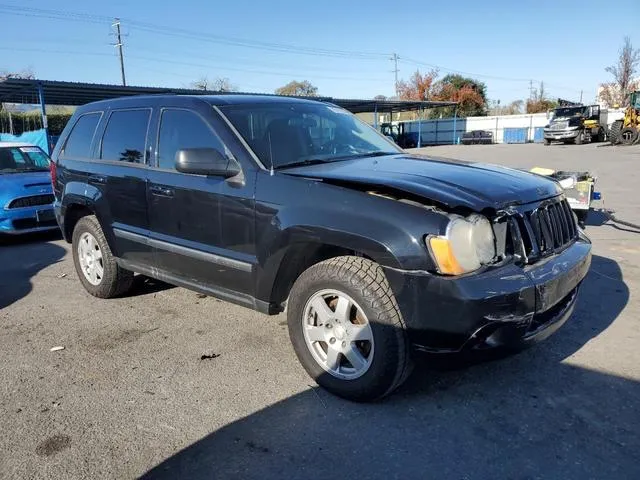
(15,90)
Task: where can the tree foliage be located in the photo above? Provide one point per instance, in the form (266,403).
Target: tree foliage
(28,121)
(419,87)
(470,94)
(539,103)
(618,91)
(298,89)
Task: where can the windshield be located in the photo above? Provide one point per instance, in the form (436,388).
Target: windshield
(288,133)
(567,112)
(23,159)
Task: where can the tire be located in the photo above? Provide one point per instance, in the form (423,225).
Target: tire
(362,284)
(628,136)
(599,135)
(90,243)
(579,139)
(547,142)
(614,132)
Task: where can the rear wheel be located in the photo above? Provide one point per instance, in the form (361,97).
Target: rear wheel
(347,330)
(628,136)
(600,136)
(95,264)
(614,132)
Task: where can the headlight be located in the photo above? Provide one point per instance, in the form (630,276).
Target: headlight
(468,244)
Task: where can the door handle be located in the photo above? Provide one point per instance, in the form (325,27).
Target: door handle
(97,179)
(161,191)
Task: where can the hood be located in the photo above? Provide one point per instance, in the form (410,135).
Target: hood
(452,183)
(14,185)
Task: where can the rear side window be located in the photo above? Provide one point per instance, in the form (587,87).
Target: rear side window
(79,141)
(125,136)
(181,129)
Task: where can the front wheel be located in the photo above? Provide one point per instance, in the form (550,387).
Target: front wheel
(579,139)
(95,264)
(347,330)
(614,132)
(547,142)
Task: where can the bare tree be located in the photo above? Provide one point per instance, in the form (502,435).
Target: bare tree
(26,74)
(202,83)
(220,84)
(628,61)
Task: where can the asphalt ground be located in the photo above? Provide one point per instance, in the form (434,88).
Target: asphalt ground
(130,395)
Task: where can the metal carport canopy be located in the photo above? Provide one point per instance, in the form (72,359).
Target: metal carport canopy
(15,90)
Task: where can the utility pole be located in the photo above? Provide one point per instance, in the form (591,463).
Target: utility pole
(394,59)
(580,96)
(531,89)
(116,24)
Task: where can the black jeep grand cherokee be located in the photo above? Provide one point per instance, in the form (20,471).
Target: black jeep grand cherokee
(277,203)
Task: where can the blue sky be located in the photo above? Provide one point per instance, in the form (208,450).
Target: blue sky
(342,47)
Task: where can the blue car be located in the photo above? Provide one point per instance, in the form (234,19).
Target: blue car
(26,197)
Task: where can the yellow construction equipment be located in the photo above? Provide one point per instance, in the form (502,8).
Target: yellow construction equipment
(627,130)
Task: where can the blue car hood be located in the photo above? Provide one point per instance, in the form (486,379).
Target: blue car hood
(13,185)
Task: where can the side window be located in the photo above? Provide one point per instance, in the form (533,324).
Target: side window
(18,159)
(181,129)
(125,136)
(79,141)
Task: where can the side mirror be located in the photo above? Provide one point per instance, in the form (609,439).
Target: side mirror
(206,161)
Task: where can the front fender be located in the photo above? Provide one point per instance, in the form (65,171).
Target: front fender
(388,231)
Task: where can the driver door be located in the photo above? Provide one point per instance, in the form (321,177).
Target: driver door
(201,227)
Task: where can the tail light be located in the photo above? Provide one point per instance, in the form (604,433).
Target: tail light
(54,173)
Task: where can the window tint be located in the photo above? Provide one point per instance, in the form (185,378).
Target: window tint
(286,133)
(181,129)
(37,156)
(79,141)
(16,160)
(125,135)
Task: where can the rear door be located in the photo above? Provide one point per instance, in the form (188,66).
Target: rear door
(122,176)
(202,227)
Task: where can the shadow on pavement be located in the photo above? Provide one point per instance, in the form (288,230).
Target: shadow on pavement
(533,415)
(145,286)
(597,218)
(21,258)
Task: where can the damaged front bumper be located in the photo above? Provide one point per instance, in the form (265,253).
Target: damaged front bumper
(510,305)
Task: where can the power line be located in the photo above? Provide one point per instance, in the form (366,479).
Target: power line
(246,43)
(264,72)
(178,32)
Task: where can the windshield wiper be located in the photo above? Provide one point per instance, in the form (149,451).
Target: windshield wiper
(370,154)
(308,161)
(315,161)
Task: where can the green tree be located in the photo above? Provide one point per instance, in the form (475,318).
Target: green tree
(298,89)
